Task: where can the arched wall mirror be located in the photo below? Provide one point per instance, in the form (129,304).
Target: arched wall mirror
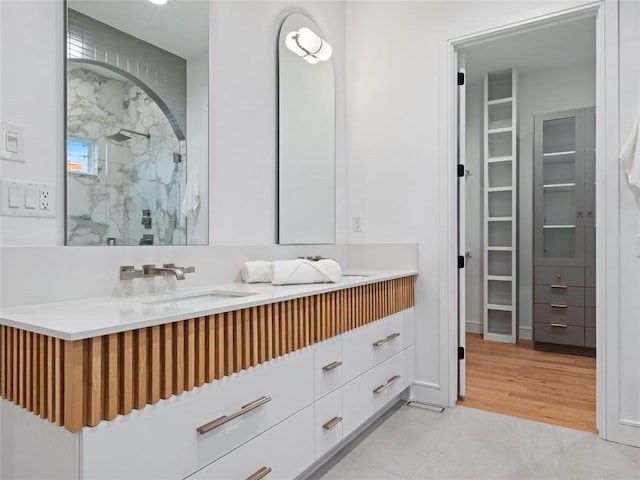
(306,144)
(137,122)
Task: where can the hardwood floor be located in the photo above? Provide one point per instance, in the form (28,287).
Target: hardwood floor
(519,381)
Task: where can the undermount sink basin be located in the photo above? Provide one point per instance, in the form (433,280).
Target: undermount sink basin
(199,298)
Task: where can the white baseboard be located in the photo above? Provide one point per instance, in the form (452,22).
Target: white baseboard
(525,333)
(473,327)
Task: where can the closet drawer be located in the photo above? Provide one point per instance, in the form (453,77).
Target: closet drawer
(286,449)
(590,317)
(162,440)
(590,337)
(328,422)
(567,335)
(545,275)
(564,295)
(366,346)
(590,276)
(590,297)
(328,366)
(371,391)
(571,315)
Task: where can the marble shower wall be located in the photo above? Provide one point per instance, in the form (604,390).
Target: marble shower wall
(127,177)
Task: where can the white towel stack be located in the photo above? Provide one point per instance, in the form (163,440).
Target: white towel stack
(630,156)
(256,272)
(292,272)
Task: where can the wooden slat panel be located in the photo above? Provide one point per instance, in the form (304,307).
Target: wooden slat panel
(277,335)
(155,366)
(126,372)
(270,330)
(220,357)
(27,371)
(228,343)
(35,377)
(295,326)
(58,385)
(237,341)
(141,370)
(245,339)
(178,357)
(262,334)
(3,361)
(111,392)
(210,346)
(200,373)
(94,381)
(167,360)
(256,335)
(50,379)
(20,396)
(14,371)
(190,355)
(73,387)
(42,389)
(307,321)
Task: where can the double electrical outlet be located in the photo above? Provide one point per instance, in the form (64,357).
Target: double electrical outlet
(27,199)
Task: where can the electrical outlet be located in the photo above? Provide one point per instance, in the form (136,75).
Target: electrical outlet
(357,224)
(45,198)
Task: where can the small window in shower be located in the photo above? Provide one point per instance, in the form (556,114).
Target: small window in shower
(80,155)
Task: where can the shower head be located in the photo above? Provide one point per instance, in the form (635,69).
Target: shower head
(121,137)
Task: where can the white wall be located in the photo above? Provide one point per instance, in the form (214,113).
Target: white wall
(539,92)
(35,267)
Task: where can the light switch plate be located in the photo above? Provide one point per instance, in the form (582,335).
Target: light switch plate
(12,142)
(24,199)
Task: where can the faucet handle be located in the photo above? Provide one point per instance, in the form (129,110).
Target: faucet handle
(147,270)
(128,272)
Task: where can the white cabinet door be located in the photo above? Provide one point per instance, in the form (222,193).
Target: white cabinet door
(328,422)
(162,440)
(369,345)
(328,366)
(284,451)
(371,391)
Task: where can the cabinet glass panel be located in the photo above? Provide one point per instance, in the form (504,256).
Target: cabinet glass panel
(499,262)
(559,187)
(499,292)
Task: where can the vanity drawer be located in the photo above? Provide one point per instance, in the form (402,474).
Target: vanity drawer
(564,295)
(571,315)
(328,366)
(287,449)
(328,422)
(366,346)
(567,335)
(371,391)
(545,275)
(162,441)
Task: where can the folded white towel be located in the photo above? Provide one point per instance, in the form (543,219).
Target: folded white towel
(256,272)
(630,156)
(291,272)
(191,198)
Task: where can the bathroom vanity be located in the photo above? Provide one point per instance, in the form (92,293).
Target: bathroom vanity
(237,381)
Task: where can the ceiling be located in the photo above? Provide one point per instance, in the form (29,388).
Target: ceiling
(179,26)
(544,48)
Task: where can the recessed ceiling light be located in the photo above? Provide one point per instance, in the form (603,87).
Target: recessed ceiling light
(158,2)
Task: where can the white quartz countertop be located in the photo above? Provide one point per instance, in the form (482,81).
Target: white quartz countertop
(79,319)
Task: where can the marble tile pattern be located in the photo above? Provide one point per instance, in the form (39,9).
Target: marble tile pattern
(462,443)
(128,177)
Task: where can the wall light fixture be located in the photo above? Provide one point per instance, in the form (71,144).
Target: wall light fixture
(308,45)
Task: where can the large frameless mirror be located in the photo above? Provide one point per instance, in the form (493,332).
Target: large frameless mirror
(306,144)
(137,122)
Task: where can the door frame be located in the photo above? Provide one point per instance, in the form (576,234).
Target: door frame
(607,185)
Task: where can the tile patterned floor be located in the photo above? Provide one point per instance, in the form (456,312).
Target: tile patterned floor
(463,443)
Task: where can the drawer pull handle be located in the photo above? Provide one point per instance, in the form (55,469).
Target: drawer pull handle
(226,418)
(263,472)
(555,285)
(557,305)
(559,325)
(384,386)
(385,340)
(331,366)
(332,423)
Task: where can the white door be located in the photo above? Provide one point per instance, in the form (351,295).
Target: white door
(461,224)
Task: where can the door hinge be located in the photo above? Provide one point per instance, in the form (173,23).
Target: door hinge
(460,170)
(460,261)
(460,78)
(460,353)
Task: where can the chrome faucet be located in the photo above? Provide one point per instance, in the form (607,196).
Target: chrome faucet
(166,269)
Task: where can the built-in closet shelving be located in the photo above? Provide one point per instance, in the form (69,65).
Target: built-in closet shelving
(500,205)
